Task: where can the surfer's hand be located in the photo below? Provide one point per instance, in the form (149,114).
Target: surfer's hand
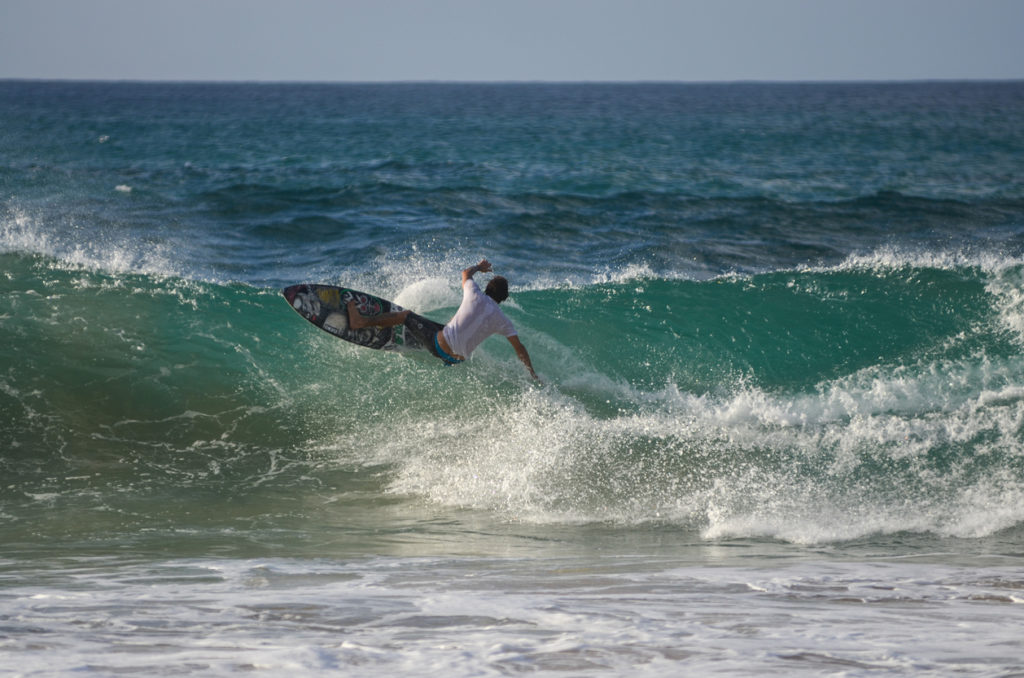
(483,267)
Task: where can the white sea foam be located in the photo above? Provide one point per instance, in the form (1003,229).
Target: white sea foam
(857,455)
(892,257)
(627,615)
(74,247)
(429,295)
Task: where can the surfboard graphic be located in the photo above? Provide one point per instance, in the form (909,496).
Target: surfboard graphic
(326,306)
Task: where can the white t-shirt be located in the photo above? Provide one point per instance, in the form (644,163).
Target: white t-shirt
(478,317)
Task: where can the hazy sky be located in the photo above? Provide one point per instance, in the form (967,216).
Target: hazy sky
(499,40)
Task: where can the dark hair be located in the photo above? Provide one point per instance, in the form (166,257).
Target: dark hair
(497,289)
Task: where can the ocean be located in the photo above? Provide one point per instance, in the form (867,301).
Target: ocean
(779,327)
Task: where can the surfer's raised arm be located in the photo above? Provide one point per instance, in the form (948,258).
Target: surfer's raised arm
(483,267)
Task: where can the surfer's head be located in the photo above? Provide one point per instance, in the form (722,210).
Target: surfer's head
(497,289)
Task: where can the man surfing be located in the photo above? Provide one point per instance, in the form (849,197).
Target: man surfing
(478,317)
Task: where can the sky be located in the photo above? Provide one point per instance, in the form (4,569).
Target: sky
(512,40)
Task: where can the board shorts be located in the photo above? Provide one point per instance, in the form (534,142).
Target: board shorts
(440,353)
(426,331)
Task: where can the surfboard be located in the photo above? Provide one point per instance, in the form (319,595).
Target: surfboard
(326,306)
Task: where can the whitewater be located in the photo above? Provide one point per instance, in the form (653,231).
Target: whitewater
(779,329)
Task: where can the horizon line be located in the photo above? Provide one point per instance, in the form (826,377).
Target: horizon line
(439,81)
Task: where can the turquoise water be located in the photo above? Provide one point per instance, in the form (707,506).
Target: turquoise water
(779,329)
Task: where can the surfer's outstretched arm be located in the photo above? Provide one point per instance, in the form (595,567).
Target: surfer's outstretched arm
(523,355)
(358,321)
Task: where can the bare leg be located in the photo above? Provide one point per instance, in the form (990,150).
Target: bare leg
(358,321)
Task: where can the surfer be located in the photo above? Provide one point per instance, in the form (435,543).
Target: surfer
(478,317)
